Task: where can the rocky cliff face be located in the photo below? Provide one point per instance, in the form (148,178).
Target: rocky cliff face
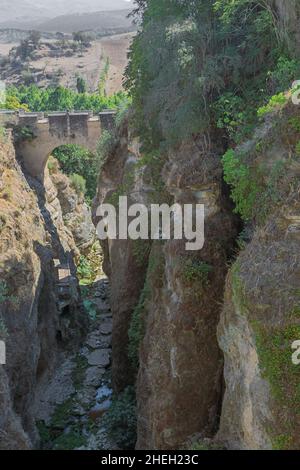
(166,299)
(34,321)
(180,363)
(123,262)
(260,319)
(69,211)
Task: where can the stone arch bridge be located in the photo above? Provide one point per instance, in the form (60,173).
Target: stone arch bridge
(53,129)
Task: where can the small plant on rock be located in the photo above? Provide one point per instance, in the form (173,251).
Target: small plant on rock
(196,271)
(78,183)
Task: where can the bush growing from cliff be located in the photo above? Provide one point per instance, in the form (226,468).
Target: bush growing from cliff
(275,102)
(244,186)
(105,145)
(78,183)
(188,54)
(254,189)
(196,271)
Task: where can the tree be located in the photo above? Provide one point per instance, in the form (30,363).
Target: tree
(83,38)
(34,37)
(81,85)
(24,49)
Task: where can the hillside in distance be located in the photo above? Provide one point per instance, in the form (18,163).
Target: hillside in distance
(101,22)
(28,14)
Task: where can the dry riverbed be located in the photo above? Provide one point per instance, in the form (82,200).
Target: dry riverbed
(72,404)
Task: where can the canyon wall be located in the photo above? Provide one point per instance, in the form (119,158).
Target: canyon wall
(260,318)
(166,300)
(38,314)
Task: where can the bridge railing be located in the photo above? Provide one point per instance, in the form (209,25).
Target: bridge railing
(45,114)
(59,118)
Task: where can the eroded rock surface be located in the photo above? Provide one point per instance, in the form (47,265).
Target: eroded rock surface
(33,324)
(178,293)
(260,318)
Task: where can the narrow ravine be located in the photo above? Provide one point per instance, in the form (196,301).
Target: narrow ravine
(72,403)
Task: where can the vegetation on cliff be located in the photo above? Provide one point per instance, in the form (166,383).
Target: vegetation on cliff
(207,63)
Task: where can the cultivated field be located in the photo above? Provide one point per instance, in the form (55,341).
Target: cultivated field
(88,64)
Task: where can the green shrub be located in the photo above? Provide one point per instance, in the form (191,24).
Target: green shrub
(276,102)
(105,145)
(196,271)
(287,70)
(191,60)
(294,122)
(233,116)
(254,189)
(75,159)
(62,414)
(81,85)
(244,185)
(78,373)
(70,440)
(78,183)
(53,165)
(122,111)
(27,77)
(121,420)
(298,149)
(84,269)
(274,352)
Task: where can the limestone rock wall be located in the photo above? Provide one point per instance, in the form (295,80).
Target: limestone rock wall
(32,324)
(180,362)
(122,263)
(69,211)
(260,318)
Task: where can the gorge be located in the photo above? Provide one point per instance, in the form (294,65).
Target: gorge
(174,349)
